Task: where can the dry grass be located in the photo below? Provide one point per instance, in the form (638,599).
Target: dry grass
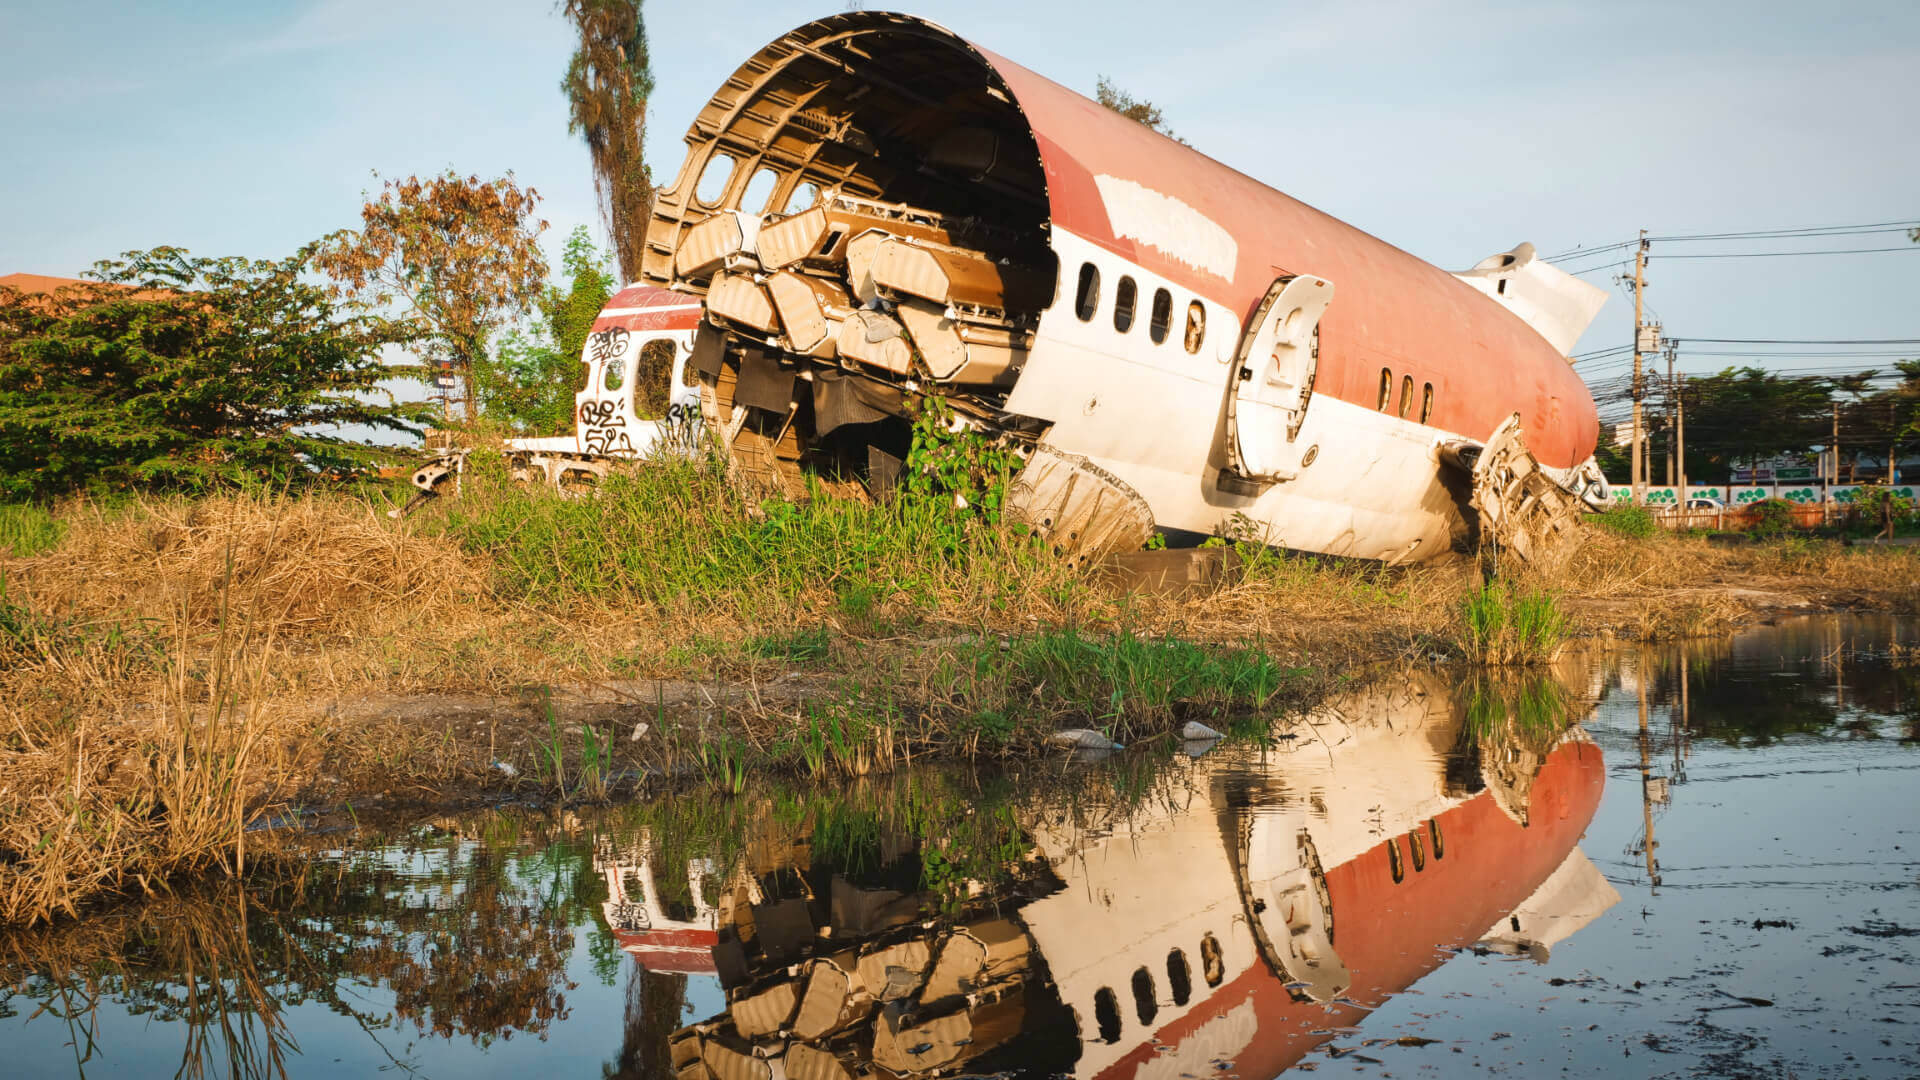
(160,661)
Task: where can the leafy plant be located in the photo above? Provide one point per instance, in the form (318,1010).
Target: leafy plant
(1771,518)
(1633,522)
(950,460)
(169,372)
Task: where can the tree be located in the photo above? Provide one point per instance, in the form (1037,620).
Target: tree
(531,380)
(169,372)
(607,85)
(1742,415)
(1136,109)
(460,255)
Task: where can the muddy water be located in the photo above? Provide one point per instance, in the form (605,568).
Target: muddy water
(1686,861)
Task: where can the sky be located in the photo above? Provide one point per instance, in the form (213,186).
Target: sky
(1451,129)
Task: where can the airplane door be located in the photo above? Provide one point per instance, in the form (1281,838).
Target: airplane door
(1272,380)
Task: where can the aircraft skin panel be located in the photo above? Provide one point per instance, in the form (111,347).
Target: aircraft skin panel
(1153,414)
(1392,310)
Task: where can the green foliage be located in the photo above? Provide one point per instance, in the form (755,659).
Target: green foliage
(1772,518)
(1120,680)
(1633,522)
(950,459)
(530,382)
(27,529)
(1876,505)
(802,646)
(670,532)
(177,373)
(1140,110)
(1501,625)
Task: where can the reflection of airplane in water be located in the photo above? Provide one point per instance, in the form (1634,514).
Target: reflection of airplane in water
(1277,899)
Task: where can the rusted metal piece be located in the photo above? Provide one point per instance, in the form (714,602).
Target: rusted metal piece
(1082,511)
(1518,508)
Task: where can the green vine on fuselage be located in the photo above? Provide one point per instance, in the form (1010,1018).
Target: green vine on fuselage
(949,459)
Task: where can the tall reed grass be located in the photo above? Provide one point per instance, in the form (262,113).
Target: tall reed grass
(1501,624)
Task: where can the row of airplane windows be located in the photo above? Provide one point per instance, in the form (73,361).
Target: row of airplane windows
(1146,999)
(1416,849)
(1406,395)
(1126,298)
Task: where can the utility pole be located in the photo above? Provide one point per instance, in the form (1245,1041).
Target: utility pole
(1673,465)
(1833,471)
(1639,387)
(1680,439)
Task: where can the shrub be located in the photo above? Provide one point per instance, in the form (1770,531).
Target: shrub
(1634,522)
(1771,518)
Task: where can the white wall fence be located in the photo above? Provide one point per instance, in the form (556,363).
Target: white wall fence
(1738,495)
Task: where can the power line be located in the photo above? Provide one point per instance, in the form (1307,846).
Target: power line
(1775,254)
(1750,234)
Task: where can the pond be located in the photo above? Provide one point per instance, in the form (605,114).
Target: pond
(1691,860)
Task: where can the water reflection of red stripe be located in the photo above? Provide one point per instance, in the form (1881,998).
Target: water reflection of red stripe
(1391,935)
(687,951)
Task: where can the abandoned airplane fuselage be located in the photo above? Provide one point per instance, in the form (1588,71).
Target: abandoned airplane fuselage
(875,210)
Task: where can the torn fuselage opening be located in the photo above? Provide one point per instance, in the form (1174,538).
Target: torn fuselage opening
(863,209)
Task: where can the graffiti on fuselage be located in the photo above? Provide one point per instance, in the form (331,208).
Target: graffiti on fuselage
(602,429)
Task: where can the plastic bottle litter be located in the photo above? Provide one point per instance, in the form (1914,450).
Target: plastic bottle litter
(1083,739)
(1196,731)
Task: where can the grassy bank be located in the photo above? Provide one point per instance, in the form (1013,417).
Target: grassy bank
(162,660)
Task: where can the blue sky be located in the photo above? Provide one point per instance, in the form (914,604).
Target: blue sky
(1453,129)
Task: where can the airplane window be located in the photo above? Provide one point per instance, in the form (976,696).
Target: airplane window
(1196,326)
(1426,403)
(1213,966)
(1386,388)
(616,374)
(759,194)
(1417,850)
(1123,298)
(1179,977)
(1086,301)
(714,179)
(1394,865)
(1106,1014)
(1143,1002)
(1439,842)
(804,195)
(1162,319)
(1406,394)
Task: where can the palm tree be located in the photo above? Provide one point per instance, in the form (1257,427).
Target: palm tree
(607,85)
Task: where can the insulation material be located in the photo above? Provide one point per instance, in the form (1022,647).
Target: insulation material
(739,300)
(810,309)
(696,1070)
(961,352)
(862,252)
(683,1047)
(817,237)
(767,1011)
(834,999)
(812,1063)
(714,244)
(738,1063)
(948,275)
(865,912)
(947,1040)
(974,956)
(875,340)
(894,972)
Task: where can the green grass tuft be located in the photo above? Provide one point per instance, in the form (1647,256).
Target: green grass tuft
(27,530)
(1633,522)
(1500,625)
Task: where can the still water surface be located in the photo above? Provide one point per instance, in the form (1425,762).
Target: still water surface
(1699,860)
